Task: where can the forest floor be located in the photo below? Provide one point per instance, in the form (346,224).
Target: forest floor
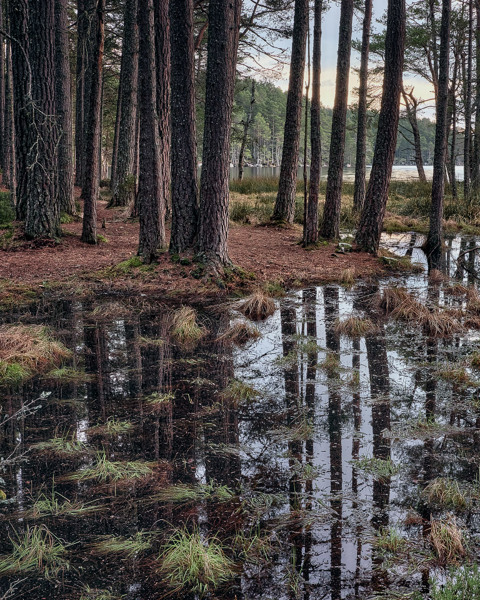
(264,255)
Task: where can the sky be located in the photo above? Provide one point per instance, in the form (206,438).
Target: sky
(330,28)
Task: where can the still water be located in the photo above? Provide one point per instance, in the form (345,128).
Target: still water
(290,456)
(399,173)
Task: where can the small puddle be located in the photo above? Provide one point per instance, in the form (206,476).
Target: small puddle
(303,464)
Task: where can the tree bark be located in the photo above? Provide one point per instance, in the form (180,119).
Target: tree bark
(43,214)
(80,91)
(224,27)
(163,63)
(434,243)
(360,163)
(331,214)
(310,235)
(10,160)
(3,141)
(18,19)
(124,184)
(184,137)
(151,202)
(116,133)
(63,102)
(96,11)
(371,222)
(467,148)
(476,147)
(285,204)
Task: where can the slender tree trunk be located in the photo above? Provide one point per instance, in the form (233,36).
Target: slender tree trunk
(43,214)
(163,62)
(476,148)
(371,222)
(184,137)
(467,148)
(310,234)
(453,121)
(287,188)
(10,160)
(124,182)
(224,28)
(151,201)
(331,214)
(2,93)
(305,137)
(434,244)
(411,105)
(18,18)
(116,133)
(92,130)
(80,91)
(360,163)
(246,127)
(63,102)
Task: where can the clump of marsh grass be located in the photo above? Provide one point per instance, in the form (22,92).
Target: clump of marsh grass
(446,493)
(456,374)
(185,329)
(437,323)
(257,307)
(112,428)
(26,350)
(240,333)
(331,364)
(68,375)
(57,505)
(392,298)
(38,550)
(61,447)
(380,469)
(127,547)
(461,584)
(106,471)
(389,539)
(447,540)
(184,493)
(354,327)
(157,401)
(191,563)
(237,393)
(347,277)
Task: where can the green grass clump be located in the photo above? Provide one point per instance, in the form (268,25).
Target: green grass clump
(238,393)
(390,540)
(69,375)
(112,428)
(61,447)
(89,593)
(185,329)
(461,584)
(38,550)
(191,563)
(106,471)
(183,493)
(12,374)
(57,505)
(445,493)
(380,469)
(127,547)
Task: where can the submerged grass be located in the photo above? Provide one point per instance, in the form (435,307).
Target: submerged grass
(106,471)
(112,428)
(127,547)
(38,550)
(184,493)
(57,505)
(61,447)
(191,563)
(380,469)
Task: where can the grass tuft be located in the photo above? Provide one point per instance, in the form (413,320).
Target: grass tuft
(240,333)
(185,329)
(447,540)
(127,547)
(61,447)
(461,584)
(106,471)
(190,563)
(445,493)
(257,307)
(354,327)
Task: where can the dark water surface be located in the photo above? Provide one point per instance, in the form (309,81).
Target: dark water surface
(271,452)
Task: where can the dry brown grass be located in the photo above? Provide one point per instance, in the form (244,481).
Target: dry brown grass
(438,323)
(347,277)
(240,333)
(32,347)
(257,307)
(436,276)
(185,329)
(355,327)
(392,298)
(447,540)
(472,323)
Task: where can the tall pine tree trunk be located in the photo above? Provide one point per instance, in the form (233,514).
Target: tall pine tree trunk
(331,213)
(10,160)
(116,133)
(310,234)
(360,163)
(43,214)
(163,62)
(184,139)
(91,185)
(80,111)
(411,105)
(467,148)
(476,147)
(3,141)
(434,244)
(151,202)
(224,27)
(285,205)
(124,184)
(371,222)
(18,19)
(63,102)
